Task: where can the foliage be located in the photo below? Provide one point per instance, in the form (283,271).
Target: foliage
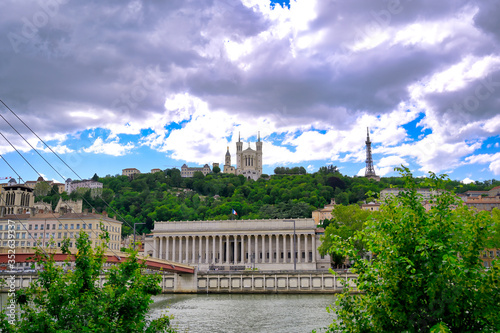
(74,301)
(166,196)
(346,221)
(216,169)
(328,169)
(41,189)
(290,171)
(427,274)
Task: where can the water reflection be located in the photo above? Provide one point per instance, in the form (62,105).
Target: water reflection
(245,313)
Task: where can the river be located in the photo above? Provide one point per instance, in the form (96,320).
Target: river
(241,313)
(238,313)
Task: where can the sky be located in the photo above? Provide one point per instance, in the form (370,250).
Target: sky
(156,84)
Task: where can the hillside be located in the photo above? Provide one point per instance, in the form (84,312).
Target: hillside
(165,196)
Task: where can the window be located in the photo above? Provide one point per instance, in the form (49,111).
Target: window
(36,226)
(90,226)
(70,235)
(84,226)
(53,227)
(60,226)
(491,253)
(1,227)
(72,226)
(78,226)
(29,227)
(58,235)
(41,226)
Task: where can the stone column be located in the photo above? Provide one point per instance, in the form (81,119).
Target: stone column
(306,246)
(187,249)
(249,249)
(155,252)
(213,249)
(263,248)
(220,249)
(299,248)
(193,254)
(207,254)
(161,248)
(173,248)
(167,257)
(242,250)
(180,249)
(278,250)
(227,249)
(200,246)
(314,247)
(285,252)
(256,254)
(235,250)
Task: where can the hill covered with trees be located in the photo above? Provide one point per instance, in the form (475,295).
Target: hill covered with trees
(166,196)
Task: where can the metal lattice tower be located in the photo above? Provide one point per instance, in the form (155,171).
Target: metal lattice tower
(370,170)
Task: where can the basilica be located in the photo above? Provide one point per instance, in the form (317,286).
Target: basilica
(248,161)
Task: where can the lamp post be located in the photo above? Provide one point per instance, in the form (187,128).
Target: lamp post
(134,233)
(294,245)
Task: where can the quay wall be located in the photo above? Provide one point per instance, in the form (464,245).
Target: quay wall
(247,282)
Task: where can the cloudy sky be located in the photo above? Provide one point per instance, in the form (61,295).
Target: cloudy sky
(156,84)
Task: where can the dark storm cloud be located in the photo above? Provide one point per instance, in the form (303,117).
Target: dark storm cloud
(64,56)
(118,61)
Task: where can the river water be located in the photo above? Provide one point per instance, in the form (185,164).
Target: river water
(238,313)
(241,313)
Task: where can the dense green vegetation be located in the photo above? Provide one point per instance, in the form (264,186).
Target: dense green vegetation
(346,221)
(73,300)
(166,196)
(426,275)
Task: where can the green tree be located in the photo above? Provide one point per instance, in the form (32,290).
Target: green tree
(41,189)
(216,169)
(346,221)
(426,274)
(95,177)
(69,302)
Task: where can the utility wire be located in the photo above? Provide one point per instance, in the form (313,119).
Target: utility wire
(96,233)
(107,204)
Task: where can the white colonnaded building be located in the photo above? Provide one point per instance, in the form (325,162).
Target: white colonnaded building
(230,245)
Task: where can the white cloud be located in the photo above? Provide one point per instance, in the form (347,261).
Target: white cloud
(467,180)
(113,148)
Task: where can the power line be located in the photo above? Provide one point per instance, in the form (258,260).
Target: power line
(3,158)
(106,203)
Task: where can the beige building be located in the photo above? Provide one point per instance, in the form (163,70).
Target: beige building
(49,230)
(130,172)
(189,172)
(371,206)
(324,213)
(16,200)
(73,185)
(238,244)
(156,170)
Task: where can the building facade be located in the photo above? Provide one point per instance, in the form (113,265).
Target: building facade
(130,172)
(49,231)
(248,161)
(74,185)
(16,200)
(189,172)
(239,244)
